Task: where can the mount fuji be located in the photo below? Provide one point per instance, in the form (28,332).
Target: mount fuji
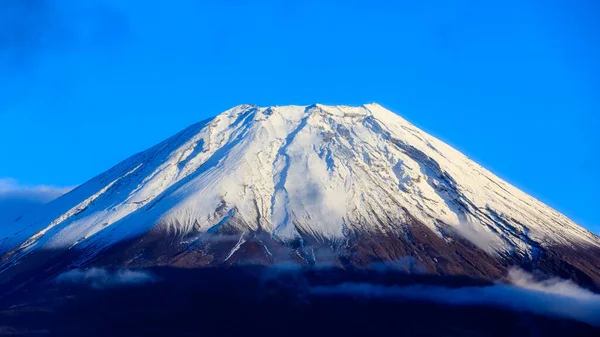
(309,185)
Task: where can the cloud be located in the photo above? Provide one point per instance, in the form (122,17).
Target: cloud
(479,236)
(553,297)
(43,193)
(554,285)
(15,198)
(99,278)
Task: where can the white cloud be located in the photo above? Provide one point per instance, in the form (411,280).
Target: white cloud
(553,285)
(102,278)
(16,198)
(479,236)
(44,193)
(554,297)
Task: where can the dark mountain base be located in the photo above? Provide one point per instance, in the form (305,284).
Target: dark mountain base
(261,301)
(410,247)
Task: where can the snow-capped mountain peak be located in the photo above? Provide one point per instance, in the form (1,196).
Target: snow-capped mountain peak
(317,173)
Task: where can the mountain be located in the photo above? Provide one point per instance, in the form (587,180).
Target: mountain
(310,185)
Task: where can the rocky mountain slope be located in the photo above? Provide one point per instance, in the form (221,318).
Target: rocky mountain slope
(312,185)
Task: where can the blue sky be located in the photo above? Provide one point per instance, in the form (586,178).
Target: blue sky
(515,85)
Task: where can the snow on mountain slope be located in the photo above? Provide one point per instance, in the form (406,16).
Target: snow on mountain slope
(322,171)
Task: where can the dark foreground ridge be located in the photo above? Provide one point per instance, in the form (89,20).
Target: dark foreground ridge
(253,300)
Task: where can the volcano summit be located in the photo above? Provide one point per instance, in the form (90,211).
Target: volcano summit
(309,185)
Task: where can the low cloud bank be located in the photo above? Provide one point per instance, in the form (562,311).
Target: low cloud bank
(553,285)
(523,293)
(41,193)
(102,278)
(553,297)
(16,198)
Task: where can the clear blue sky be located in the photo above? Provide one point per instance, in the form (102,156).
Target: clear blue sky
(513,84)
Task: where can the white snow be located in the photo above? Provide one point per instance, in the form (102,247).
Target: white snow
(317,169)
(235,248)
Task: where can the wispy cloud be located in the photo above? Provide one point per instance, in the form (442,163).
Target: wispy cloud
(102,278)
(479,236)
(16,198)
(44,193)
(553,285)
(553,297)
